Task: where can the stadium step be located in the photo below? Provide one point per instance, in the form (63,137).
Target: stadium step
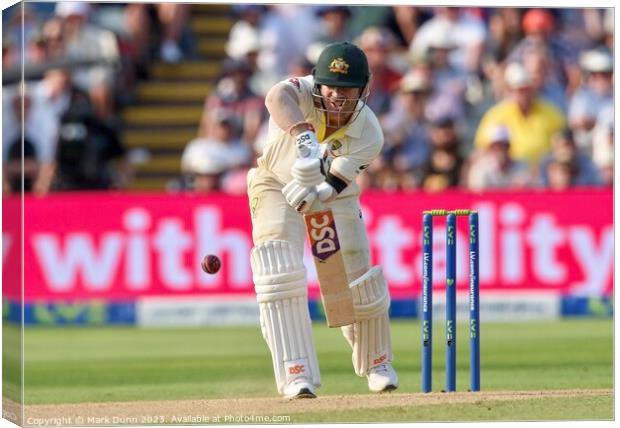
(173,91)
(149,183)
(157,115)
(170,164)
(162,139)
(167,109)
(186,70)
(210,47)
(211,25)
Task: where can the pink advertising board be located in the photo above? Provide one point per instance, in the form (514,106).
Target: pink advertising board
(123,246)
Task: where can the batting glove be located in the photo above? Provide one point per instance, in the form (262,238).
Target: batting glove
(308,171)
(299,197)
(325,192)
(307,145)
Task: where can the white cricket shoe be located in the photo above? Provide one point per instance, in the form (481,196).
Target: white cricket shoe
(382,378)
(299,388)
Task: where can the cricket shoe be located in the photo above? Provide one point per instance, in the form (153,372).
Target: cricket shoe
(299,388)
(382,378)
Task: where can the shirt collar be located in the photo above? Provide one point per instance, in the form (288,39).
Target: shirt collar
(353,129)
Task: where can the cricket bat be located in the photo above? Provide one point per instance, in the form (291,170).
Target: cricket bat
(325,245)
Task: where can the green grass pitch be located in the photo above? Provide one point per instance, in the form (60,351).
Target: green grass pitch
(74,365)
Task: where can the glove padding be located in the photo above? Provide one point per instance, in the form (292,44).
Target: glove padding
(299,197)
(307,145)
(325,192)
(308,172)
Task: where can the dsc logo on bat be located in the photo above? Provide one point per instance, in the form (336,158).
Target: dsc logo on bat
(322,233)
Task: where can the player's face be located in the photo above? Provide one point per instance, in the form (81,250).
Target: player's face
(338,99)
(339,104)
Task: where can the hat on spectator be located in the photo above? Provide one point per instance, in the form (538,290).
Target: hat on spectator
(499,134)
(442,120)
(374,37)
(204,157)
(597,61)
(246,43)
(536,20)
(414,81)
(231,65)
(517,76)
(322,10)
(442,38)
(65,9)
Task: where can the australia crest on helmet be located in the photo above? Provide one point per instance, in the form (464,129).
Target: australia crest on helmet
(339,65)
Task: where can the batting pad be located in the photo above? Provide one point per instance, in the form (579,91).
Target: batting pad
(281,292)
(369,336)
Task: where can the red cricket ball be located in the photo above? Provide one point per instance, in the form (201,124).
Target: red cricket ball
(211,264)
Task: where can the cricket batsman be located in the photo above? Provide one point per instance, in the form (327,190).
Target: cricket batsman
(321,136)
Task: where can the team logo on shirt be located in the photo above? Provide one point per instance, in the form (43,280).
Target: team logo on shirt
(295,83)
(338,65)
(336,145)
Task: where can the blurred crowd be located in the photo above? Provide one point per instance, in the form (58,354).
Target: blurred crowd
(81,63)
(468,97)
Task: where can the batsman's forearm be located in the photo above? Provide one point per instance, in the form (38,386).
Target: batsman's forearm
(283,105)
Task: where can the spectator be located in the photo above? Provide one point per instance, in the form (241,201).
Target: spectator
(203,166)
(540,31)
(22,28)
(581,28)
(333,23)
(333,27)
(88,149)
(559,174)
(9,53)
(494,168)
(536,62)
(244,44)
(608,26)
(466,31)
(593,97)
(283,22)
(443,169)
(52,31)
(504,34)
(40,131)
(245,33)
(171,21)
(84,41)
(301,67)
(377,44)
(603,152)
(36,50)
(216,162)
(405,22)
(564,153)
(530,121)
(234,95)
(449,83)
(407,145)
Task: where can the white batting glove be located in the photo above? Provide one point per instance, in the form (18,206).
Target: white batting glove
(307,172)
(299,197)
(325,192)
(307,145)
